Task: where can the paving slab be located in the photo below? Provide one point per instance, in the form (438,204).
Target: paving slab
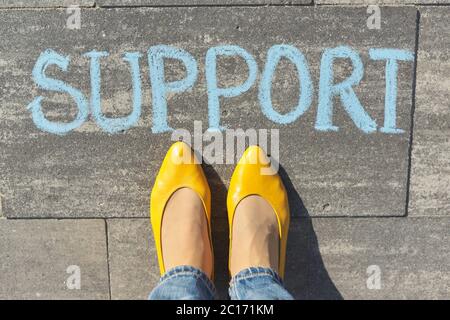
(430,173)
(170,3)
(41,259)
(92,173)
(45,3)
(131,278)
(409,255)
(349,258)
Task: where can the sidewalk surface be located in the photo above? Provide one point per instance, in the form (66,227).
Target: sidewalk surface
(370,211)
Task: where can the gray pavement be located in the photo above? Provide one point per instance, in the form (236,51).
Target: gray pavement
(78,175)
(370,207)
(430,176)
(37,259)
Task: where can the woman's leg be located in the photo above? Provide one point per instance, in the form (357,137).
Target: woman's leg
(186,248)
(255,253)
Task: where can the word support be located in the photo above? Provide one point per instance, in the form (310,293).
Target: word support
(160,88)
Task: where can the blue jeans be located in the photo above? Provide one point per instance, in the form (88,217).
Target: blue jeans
(188,283)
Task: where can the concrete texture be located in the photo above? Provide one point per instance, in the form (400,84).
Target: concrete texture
(327,258)
(44,3)
(170,3)
(408,252)
(380,2)
(89,173)
(35,255)
(131,278)
(430,174)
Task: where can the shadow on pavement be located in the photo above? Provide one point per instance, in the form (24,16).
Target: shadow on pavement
(306,276)
(219,229)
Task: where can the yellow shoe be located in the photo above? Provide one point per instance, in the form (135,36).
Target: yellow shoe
(180,169)
(248,180)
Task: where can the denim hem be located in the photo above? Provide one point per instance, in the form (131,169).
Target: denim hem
(191,272)
(253,272)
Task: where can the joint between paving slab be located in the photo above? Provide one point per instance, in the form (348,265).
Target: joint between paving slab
(395,5)
(275,5)
(255,5)
(96,7)
(293,219)
(413,108)
(236,5)
(224,218)
(433,5)
(44,8)
(214,218)
(107,258)
(1,206)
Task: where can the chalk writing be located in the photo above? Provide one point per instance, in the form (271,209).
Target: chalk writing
(160,88)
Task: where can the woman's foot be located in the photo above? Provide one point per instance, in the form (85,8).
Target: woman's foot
(184,232)
(255,238)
